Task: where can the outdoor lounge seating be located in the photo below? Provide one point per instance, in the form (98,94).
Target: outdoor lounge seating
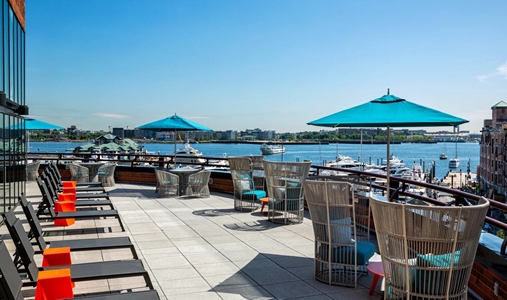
(338,252)
(285,190)
(53,168)
(246,194)
(106,174)
(427,251)
(32,170)
(49,197)
(167,184)
(79,173)
(24,259)
(198,184)
(37,235)
(47,208)
(81,191)
(11,284)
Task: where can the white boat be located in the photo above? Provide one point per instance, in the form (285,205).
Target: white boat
(272,149)
(187,154)
(454,163)
(443,156)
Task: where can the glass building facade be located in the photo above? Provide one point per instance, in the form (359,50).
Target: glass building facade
(12,103)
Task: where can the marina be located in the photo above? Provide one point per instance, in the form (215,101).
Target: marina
(423,154)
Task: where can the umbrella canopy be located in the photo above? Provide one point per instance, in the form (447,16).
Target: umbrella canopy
(33,124)
(174,123)
(388,111)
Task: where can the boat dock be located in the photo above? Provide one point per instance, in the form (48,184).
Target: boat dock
(458,179)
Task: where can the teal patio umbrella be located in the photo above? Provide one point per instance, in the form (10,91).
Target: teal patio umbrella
(33,124)
(388,111)
(174,123)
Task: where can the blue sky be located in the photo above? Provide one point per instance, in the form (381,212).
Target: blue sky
(268,64)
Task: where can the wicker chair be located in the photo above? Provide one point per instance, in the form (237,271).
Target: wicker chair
(32,170)
(198,184)
(106,174)
(167,184)
(246,195)
(339,253)
(285,190)
(79,173)
(427,251)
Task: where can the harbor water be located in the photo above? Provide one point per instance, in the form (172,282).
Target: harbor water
(422,154)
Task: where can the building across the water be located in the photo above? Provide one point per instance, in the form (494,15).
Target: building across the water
(491,171)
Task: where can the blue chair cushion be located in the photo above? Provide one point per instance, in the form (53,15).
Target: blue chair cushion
(253,195)
(345,254)
(433,282)
(292,205)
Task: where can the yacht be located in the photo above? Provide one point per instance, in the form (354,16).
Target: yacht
(443,156)
(187,154)
(454,163)
(272,149)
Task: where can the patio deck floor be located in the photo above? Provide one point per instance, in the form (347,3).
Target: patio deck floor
(201,248)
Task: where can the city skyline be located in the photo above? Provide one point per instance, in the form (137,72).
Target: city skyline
(238,64)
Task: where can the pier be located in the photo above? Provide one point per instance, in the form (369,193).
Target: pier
(457,180)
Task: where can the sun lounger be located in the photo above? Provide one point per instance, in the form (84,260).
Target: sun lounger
(58,186)
(75,245)
(54,169)
(49,197)
(79,195)
(78,272)
(46,210)
(10,284)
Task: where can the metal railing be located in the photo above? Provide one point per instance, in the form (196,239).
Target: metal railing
(139,160)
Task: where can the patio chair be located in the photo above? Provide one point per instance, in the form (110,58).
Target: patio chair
(46,208)
(198,184)
(32,170)
(106,175)
(24,260)
(246,195)
(37,235)
(11,284)
(167,184)
(339,254)
(427,251)
(79,173)
(285,190)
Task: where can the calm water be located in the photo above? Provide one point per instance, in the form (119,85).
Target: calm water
(409,153)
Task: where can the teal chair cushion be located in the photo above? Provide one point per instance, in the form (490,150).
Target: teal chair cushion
(434,281)
(345,254)
(253,195)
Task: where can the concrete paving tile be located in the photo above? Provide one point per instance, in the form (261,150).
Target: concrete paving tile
(205,258)
(146,228)
(221,281)
(155,236)
(304,273)
(196,249)
(269,276)
(182,242)
(218,268)
(209,295)
(243,255)
(154,244)
(244,292)
(289,290)
(160,261)
(184,286)
(176,273)
(167,252)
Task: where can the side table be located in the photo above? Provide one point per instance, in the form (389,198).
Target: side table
(377,270)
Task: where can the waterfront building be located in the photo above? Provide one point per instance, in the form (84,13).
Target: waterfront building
(491,171)
(12,102)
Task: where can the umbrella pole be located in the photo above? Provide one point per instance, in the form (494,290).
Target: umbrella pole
(175,136)
(388,164)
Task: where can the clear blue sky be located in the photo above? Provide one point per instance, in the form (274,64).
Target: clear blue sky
(268,64)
